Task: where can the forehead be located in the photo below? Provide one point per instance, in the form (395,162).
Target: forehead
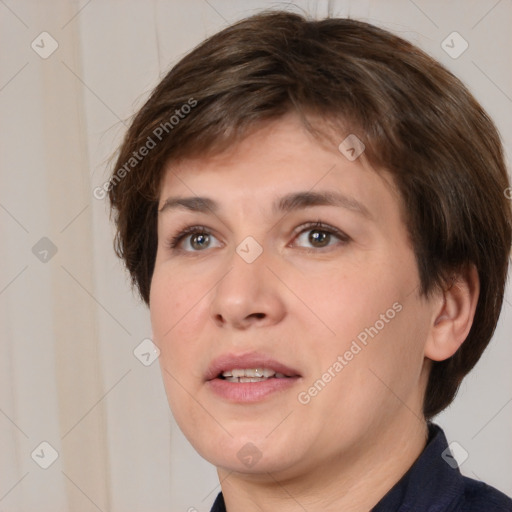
(278,167)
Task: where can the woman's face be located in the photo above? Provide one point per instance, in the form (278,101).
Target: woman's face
(336,304)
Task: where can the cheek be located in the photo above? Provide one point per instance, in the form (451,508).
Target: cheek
(173,295)
(171,327)
(390,364)
(380,370)
(355,305)
(173,312)
(376,324)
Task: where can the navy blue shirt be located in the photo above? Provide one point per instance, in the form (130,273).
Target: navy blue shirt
(433,485)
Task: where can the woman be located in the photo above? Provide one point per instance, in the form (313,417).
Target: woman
(314,212)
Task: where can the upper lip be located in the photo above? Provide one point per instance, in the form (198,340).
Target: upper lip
(227,362)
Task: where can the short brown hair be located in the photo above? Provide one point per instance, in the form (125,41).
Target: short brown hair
(415,118)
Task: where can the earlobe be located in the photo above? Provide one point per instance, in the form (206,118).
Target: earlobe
(453,315)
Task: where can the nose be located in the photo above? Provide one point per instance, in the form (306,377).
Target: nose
(248,295)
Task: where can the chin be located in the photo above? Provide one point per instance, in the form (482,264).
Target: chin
(253,458)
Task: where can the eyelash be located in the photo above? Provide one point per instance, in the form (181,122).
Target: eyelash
(173,242)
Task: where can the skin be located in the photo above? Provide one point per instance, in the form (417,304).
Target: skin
(303,303)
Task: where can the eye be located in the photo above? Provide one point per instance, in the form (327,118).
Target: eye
(198,238)
(321,234)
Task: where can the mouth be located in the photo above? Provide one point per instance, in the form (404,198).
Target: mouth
(251,375)
(249,367)
(249,378)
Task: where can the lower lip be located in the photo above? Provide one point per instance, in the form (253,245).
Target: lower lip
(246,392)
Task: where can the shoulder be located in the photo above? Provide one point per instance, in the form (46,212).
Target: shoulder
(480,497)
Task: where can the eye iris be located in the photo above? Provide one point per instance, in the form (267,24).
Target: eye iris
(196,240)
(318,236)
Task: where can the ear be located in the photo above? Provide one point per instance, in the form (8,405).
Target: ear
(453,315)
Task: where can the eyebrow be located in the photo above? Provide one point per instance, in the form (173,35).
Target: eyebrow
(285,204)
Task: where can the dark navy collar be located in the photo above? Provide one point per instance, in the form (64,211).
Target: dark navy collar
(433,484)
(430,484)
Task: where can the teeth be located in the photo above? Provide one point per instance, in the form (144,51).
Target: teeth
(257,372)
(250,375)
(247,379)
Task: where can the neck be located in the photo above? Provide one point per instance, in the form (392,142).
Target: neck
(352,482)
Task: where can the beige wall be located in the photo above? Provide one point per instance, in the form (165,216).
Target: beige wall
(69,325)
